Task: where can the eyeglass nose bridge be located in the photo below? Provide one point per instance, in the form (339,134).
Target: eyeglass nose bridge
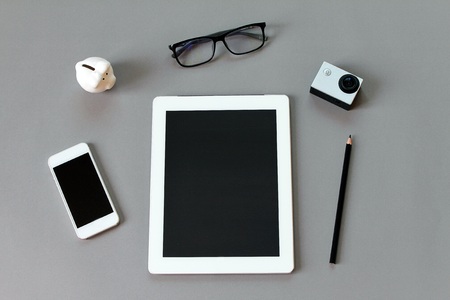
(219,38)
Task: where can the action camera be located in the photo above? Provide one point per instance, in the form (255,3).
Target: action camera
(336,85)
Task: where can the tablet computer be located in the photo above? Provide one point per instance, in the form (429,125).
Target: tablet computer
(220,186)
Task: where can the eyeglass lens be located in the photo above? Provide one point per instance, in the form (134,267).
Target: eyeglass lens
(245,39)
(201,50)
(194,52)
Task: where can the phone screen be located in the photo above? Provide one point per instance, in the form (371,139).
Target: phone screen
(83,190)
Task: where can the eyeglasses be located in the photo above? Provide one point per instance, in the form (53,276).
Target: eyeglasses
(197,51)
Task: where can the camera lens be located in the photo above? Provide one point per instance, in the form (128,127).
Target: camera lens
(348,83)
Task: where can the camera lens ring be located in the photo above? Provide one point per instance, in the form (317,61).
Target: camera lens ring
(348,83)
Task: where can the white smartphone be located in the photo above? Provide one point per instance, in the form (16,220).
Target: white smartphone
(83,191)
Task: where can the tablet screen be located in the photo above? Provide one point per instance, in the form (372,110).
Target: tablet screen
(220,190)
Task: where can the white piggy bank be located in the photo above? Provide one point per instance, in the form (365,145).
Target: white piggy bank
(95,74)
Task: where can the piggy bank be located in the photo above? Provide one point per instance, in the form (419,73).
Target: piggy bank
(95,74)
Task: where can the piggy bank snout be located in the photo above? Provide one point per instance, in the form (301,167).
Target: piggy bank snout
(111,81)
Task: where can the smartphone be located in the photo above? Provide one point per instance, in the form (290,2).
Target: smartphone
(83,191)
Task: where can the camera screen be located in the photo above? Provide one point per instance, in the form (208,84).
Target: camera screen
(221,189)
(83,190)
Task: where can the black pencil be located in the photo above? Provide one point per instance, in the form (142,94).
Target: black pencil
(340,205)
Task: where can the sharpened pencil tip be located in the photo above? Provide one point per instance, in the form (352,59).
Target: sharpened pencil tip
(349,140)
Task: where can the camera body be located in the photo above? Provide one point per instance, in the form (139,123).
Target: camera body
(336,85)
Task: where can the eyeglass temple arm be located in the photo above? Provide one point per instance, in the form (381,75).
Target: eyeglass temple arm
(252,35)
(257,36)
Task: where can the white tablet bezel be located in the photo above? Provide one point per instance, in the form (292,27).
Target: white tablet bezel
(284,263)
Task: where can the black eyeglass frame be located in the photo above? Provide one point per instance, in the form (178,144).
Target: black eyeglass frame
(216,37)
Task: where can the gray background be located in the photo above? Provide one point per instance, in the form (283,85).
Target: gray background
(396,232)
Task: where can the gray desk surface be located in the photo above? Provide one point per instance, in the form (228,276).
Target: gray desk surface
(396,232)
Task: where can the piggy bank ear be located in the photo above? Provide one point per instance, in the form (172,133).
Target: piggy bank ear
(80,65)
(102,66)
(94,79)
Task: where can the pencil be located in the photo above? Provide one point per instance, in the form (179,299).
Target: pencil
(340,205)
